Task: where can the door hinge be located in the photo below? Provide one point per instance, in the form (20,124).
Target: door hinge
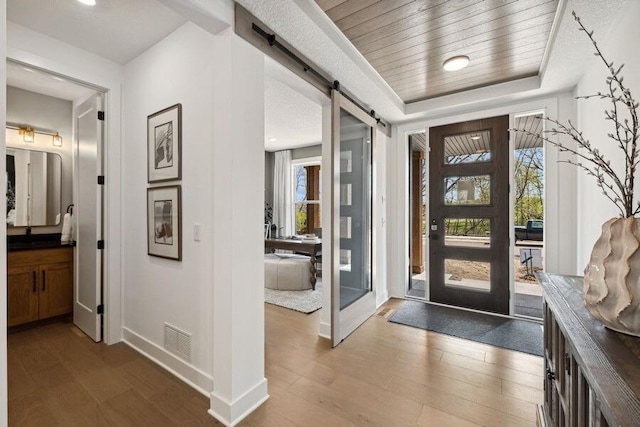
(100,179)
(100,244)
(101,115)
(100,309)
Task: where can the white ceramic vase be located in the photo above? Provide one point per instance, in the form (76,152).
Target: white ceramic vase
(612,277)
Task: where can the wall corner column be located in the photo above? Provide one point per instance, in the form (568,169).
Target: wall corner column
(238,196)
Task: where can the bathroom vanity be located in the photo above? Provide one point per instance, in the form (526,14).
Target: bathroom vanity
(39,281)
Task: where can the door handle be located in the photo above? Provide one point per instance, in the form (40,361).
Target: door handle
(44,280)
(35,286)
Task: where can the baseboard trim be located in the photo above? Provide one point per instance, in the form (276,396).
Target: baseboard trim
(325,330)
(231,413)
(191,375)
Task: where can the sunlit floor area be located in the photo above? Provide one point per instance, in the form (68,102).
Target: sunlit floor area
(387,374)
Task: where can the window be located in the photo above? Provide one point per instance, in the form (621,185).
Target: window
(306,197)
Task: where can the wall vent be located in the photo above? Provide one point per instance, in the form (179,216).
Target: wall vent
(177,342)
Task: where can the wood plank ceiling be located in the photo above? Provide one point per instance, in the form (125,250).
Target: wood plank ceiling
(407,41)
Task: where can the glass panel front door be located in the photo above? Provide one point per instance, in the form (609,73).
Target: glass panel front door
(469,215)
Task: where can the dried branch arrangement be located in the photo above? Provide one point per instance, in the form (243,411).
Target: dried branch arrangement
(624,117)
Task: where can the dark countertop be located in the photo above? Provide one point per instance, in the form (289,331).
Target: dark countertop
(35,241)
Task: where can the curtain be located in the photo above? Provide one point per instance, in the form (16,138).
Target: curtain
(282,205)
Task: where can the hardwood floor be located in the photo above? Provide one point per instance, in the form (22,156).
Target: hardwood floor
(59,377)
(383,374)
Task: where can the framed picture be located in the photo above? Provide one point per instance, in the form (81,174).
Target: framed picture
(164,223)
(164,138)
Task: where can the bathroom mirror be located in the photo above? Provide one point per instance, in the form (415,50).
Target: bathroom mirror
(33,188)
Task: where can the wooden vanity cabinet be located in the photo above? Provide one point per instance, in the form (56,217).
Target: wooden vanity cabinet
(39,284)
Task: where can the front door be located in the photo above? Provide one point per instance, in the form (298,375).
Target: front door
(469,214)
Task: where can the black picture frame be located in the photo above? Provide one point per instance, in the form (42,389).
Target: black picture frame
(164,222)
(164,145)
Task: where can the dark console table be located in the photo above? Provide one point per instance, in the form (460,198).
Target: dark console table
(592,373)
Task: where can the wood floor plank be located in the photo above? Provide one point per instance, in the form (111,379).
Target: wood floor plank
(31,411)
(130,409)
(104,384)
(302,366)
(146,377)
(71,404)
(342,404)
(53,376)
(20,383)
(431,417)
(524,378)
(522,392)
(405,409)
(301,412)
(183,407)
(519,362)
(451,403)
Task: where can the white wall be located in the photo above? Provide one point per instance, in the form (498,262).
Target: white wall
(593,207)
(216,292)
(44,112)
(306,152)
(157,290)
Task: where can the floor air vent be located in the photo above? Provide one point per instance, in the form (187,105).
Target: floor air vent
(177,342)
(385,312)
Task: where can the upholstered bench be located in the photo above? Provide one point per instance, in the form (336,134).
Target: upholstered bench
(286,272)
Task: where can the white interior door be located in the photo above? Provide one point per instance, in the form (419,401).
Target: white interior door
(87,306)
(353,295)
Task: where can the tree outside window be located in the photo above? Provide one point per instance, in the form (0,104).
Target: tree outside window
(307,198)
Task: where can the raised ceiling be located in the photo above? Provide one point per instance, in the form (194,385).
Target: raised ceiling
(407,41)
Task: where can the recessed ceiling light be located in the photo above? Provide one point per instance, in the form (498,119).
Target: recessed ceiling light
(273,139)
(456,63)
(88,2)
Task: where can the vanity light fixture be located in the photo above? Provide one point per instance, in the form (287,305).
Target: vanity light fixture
(456,63)
(28,135)
(57,140)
